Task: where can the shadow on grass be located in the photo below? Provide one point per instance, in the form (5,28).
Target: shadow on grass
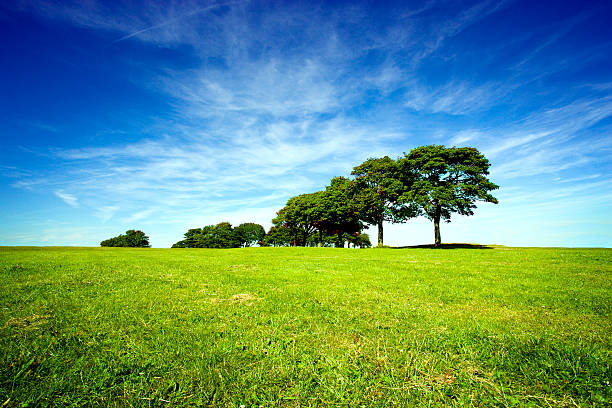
(448,246)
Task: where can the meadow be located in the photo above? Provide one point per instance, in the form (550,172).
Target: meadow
(305,327)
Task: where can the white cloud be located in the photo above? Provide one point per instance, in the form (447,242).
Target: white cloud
(69,199)
(464,136)
(105,213)
(455,98)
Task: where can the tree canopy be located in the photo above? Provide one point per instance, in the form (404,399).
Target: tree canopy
(279,235)
(131,238)
(340,211)
(302,216)
(312,218)
(250,234)
(444,181)
(378,186)
(221,235)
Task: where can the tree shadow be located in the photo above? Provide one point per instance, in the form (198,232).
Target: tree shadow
(447,246)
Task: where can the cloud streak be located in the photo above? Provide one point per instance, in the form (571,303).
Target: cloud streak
(69,199)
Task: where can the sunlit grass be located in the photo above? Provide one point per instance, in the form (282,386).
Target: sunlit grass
(305,327)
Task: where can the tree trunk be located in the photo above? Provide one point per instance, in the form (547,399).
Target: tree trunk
(437,236)
(320,238)
(380,232)
(340,241)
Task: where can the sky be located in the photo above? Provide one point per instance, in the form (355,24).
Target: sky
(165,116)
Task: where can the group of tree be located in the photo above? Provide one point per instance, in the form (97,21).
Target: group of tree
(280,235)
(432,181)
(131,238)
(223,235)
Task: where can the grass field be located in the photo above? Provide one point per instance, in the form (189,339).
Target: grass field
(305,327)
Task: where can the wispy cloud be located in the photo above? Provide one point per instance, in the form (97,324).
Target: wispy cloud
(106,212)
(174,20)
(465,136)
(69,199)
(454,98)
(551,141)
(457,24)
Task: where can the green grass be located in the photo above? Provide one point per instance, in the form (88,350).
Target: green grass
(305,327)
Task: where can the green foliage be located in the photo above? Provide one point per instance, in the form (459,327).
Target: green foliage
(322,239)
(278,236)
(378,186)
(444,181)
(301,216)
(340,211)
(292,327)
(359,240)
(250,234)
(131,238)
(433,181)
(221,235)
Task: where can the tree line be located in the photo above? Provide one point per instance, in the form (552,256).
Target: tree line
(432,181)
(223,235)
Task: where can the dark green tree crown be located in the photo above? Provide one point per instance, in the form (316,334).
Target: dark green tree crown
(454,178)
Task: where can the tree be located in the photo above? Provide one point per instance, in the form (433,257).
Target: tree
(378,187)
(301,216)
(250,234)
(278,235)
(221,235)
(338,212)
(224,236)
(445,180)
(359,240)
(131,238)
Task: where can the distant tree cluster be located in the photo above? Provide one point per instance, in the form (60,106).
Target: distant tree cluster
(282,236)
(131,238)
(223,235)
(433,181)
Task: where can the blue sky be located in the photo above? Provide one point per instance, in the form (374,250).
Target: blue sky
(164,116)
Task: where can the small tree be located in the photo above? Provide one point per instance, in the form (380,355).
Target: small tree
(359,240)
(131,238)
(445,180)
(250,234)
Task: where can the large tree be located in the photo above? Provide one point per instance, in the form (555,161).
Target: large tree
(444,181)
(378,186)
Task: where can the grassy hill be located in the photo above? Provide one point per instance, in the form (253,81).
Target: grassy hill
(305,327)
